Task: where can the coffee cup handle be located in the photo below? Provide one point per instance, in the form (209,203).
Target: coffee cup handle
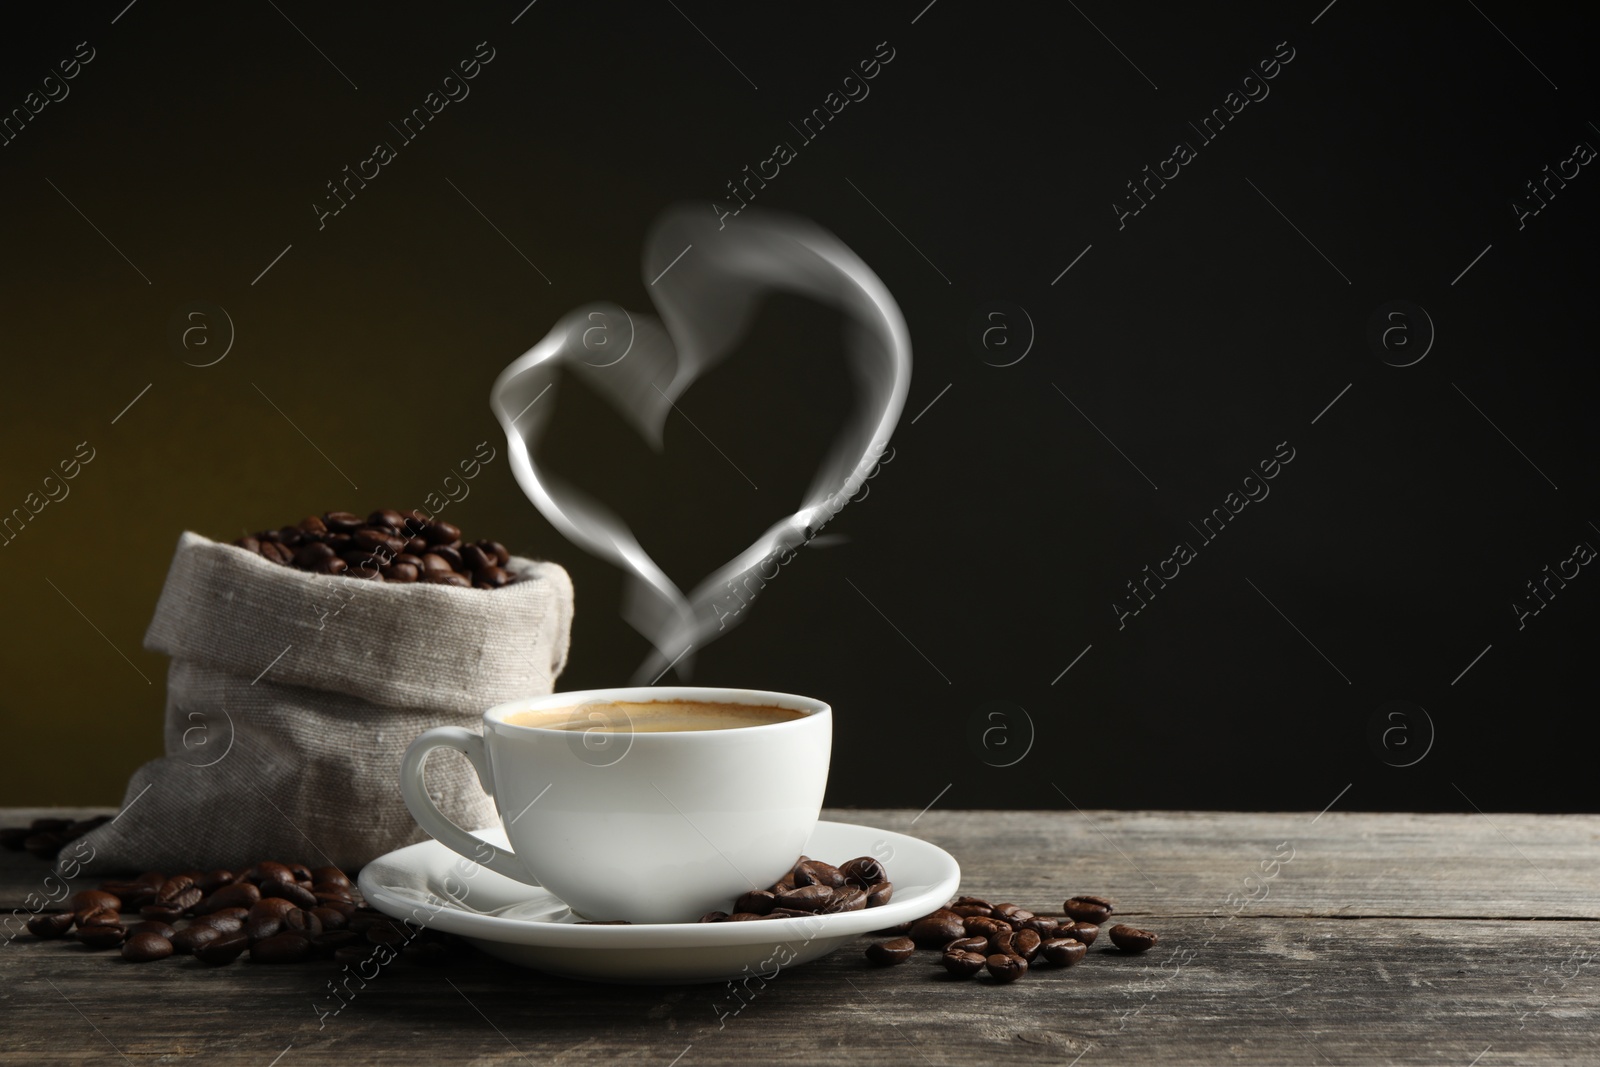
(434,821)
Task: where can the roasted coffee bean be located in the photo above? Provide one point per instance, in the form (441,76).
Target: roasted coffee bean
(760,901)
(879,895)
(1006,968)
(495,551)
(94,900)
(491,577)
(153,926)
(940,928)
(403,573)
(330,876)
(302,922)
(972,911)
(849,898)
(100,937)
(226,921)
(98,917)
(812,897)
(1132,939)
(1084,932)
(1025,943)
(180,893)
(441,533)
(342,521)
(475,559)
(50,926)
(863,871)
(435,566)
(280,948)
(266,918)
(450,555)
(330,893)
(301,872)
(143,886)
(275,906)
(1089,909)
(313,524)
(748,916)
(193,936)
(983,926)
(973,901)
(969,944)
(292,536)
(359,952)
(223,950)
(379,542)
(308,557)
(787,913)
(237,895)
(449,579)
(332,565)
(386,933)
(290,891)
(145,948)
(364,567)
(331,918)
(211,881)
(815,872)
(1002,943)
(889,953)
(963,964)
(714,917)
(267,871)
(1063,951)
(1012,914)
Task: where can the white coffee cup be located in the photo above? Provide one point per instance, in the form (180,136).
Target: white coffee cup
(644,826)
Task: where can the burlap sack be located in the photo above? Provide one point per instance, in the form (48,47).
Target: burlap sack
(292,696)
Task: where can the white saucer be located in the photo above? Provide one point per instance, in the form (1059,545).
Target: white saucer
(431,885)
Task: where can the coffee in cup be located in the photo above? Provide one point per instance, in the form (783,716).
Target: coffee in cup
(653,804)
(656,716)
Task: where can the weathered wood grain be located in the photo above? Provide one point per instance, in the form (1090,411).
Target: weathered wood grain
(1296,977)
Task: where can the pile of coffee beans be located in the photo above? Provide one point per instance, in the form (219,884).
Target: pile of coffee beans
(810,888)
(389,546)
(277,912)
(974,935)
(45,838)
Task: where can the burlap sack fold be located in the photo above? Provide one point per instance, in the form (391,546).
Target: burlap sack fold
(292,696)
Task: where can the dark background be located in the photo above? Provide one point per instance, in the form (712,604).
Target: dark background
(991,548)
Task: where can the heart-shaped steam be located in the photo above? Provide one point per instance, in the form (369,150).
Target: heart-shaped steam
(706,283)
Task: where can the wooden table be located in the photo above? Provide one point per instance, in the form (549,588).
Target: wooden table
(1285,938)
